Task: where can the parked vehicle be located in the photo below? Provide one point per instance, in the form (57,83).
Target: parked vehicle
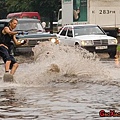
(24,15)
(89,36)
(48,28)
(33,32)
(101,12)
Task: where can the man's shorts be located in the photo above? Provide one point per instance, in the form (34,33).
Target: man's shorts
(5,54)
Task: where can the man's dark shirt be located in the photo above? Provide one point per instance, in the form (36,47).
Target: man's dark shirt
(6,39)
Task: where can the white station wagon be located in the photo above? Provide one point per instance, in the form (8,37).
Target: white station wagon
(91,37)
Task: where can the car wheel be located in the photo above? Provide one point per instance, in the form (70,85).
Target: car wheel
(77,45)
(112,54)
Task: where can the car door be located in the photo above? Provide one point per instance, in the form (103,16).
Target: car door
(62,36)
(70,37)
(66,36)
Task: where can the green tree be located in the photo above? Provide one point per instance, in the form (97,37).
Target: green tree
(44,7)
(3,9)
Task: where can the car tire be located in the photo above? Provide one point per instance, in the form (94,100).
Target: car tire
(77,45)
(112,54)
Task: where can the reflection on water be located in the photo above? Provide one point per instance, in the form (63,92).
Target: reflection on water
(60,83)
(11,105)
(58,102)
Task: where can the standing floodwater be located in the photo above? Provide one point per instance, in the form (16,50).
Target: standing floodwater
(61,83)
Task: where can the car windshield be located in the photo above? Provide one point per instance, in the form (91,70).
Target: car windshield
(29,26)
(87,30)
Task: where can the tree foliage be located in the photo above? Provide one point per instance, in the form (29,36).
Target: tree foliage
(3,9)
(44,7)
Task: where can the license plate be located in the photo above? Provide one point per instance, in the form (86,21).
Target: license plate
(100,47)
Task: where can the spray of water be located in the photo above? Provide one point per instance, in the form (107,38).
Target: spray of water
(59,63)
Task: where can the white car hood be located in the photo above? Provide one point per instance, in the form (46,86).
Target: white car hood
(93,37)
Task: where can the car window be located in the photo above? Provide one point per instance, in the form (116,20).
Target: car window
(29,25)
(64,30)
(35,17)
(25,17)
(69,33)
(16,16)
(87,30)
(2,25)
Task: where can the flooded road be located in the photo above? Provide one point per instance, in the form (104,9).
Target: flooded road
(61,83)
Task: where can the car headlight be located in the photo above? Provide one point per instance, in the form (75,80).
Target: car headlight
(22,40)
(112,41)
(54,40)
(86,42)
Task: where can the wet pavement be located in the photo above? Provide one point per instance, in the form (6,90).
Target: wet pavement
(85,87)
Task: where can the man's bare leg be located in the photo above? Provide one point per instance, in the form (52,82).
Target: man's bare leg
(7,65)
(7,77)
(15,66)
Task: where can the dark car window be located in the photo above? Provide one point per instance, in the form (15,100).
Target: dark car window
(69,33)
(63,33)
(29,25)
(2,24)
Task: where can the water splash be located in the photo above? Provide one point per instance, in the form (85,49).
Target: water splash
(59,63)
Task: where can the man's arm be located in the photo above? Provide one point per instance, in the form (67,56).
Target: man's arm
(8,31)
(17,42)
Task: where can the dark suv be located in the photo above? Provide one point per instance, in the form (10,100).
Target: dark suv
(33,32)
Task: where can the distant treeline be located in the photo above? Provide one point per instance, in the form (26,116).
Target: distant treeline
(46,8)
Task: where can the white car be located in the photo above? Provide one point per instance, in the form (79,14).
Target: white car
(91,37)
